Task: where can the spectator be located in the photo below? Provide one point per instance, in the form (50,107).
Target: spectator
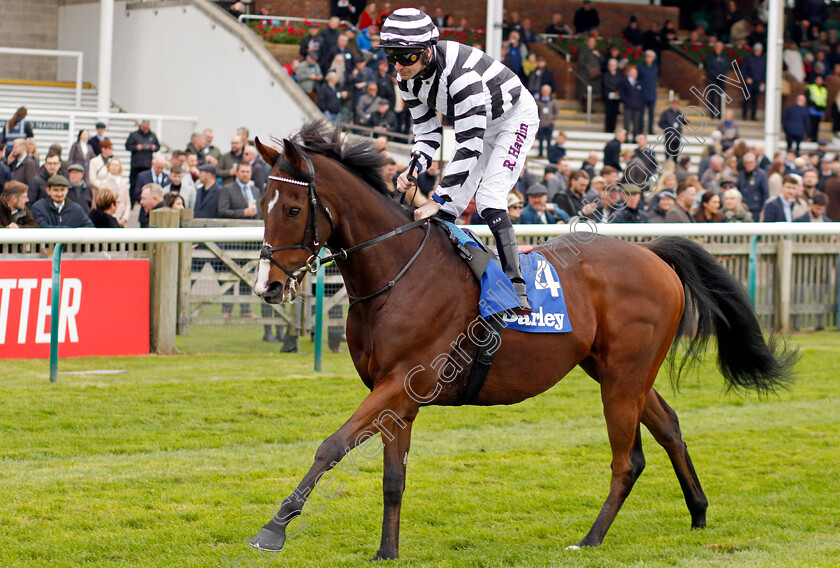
(647,164)
(196,145)
(754,70)
(384,119)
(368,17)
(557,26)
(329,98)
(796,122)
(16,128)
(817,95)
(728,127)
(38,186)
(612,151)
(367,105)
(681,211)
(238,199)
(667,34)
(514,208)
(708,211)
(816,210)
(211,154)
(309,73)
(536,212)
(632,33)
(589,68)
(589,164)
(780,209)
(633,99)
(312,42)
(752,183)
(557,150)
(23,166)
(97,139)
(14,214)
(734,210)
(650,38)
(339,49)
(559,182)
(177,185)
(671,121)
(151,198)
(329,34)
(81,152)
(659,210)
(648,73)
(32,150)
(226,168)
(548,109)
(102,215)
(632,212)
(115,181)
(541,76)
(57,211)
(717,64)
(174,200)
(527,33)
(572,200)
(259,169)
(612,98)
(142,143)
(78,190)
(613,52)
(586,19)
(428,178)
(98,166)
(515,53)
(153,175)
(810,179)
(713,176)
(385,79)
(207,196)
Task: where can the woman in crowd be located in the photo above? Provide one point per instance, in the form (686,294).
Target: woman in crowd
(16,127)
(32,150)
(115,182)
(775,175)
(81,152)
(174,200)
(709,209)
(734,210)
(105,206)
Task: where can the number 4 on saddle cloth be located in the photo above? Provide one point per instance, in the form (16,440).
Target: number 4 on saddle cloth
(545,293)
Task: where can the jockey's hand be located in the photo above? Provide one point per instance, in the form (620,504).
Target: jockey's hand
(404,184)
(426,210)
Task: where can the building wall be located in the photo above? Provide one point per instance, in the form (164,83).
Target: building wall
(32,24)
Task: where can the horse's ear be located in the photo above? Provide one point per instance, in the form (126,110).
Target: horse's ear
(290,152)
(269,154)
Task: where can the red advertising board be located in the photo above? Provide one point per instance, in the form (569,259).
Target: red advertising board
(103,309)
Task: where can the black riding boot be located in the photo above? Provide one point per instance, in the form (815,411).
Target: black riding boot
(505,236)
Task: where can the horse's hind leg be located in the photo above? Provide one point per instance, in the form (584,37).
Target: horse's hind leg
(622,411)
(662,422)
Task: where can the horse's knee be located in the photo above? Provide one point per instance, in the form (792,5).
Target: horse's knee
(392,489)
(329,452)
(637,465)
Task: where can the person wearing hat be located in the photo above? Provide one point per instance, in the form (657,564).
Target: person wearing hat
(681,211)
(658,210)
(495,120)
(630,212)
(79,191)
(97,139)
(384,118)
(536,212)
(515,206)
(57,211)
(586,19)
(207,196)
(309,73)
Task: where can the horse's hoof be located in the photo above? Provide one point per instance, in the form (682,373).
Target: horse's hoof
(383,556)
(268,540)
(573,547)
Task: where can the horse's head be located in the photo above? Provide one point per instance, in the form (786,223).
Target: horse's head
(297,224)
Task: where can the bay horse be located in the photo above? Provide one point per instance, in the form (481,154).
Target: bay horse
(627,303)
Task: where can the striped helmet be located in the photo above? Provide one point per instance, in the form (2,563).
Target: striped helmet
(408,28)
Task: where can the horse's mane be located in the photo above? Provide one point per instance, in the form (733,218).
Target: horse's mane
(359,155)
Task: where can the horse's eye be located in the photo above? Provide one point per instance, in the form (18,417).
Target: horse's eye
(294,211)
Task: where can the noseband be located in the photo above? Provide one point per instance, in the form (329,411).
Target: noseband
(314,262)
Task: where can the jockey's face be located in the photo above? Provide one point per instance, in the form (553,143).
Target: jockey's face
(407,72)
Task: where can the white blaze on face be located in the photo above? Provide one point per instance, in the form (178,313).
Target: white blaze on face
(272,203)
(261,284)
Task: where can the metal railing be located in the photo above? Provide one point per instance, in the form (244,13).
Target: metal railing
(79,55)
(74,115)
(274,18)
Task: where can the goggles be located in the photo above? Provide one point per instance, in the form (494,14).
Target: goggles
(402,56)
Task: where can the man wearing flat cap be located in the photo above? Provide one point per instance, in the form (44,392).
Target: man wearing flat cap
(79,191)
(58,211)
(631,212)
(207,196)
(99,137)
(536,212)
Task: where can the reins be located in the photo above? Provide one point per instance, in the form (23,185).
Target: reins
(315,262)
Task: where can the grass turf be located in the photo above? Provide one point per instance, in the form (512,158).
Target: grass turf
(180,459)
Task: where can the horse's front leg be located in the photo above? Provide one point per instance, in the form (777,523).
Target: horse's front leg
(397,444)
(387,400)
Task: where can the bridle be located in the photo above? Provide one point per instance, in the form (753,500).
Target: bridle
(315,262)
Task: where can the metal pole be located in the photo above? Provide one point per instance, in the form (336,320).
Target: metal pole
(319,316)
(588,104)
(494,28)
(106,48)
(773,86)
(79,65)
(71,128)
(56,299)
(753,267)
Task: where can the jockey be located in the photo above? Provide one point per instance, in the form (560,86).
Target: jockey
(495,120)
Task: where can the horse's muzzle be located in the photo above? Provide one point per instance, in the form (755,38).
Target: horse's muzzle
(277,292)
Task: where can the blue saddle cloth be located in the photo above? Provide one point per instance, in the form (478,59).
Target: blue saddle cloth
(545,292)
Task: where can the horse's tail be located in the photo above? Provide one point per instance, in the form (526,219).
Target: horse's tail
(716,303)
